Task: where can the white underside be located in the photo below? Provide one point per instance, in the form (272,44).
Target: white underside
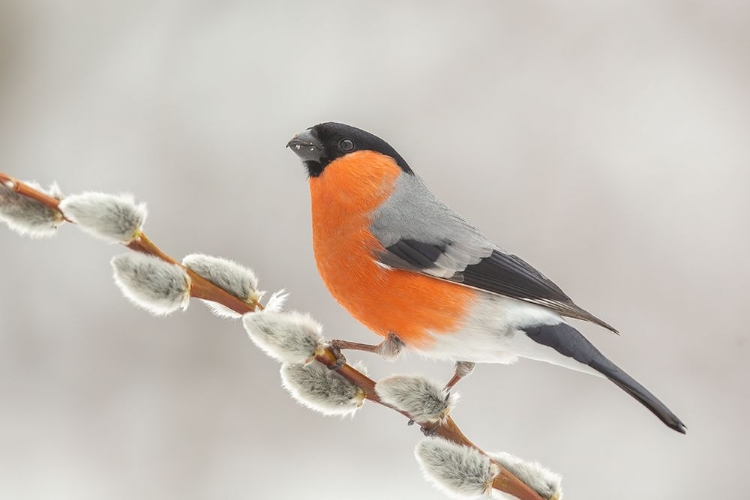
(494,335)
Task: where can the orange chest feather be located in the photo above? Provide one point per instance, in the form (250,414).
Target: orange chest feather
(410,305)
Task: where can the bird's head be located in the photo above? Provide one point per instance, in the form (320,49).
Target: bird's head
(323,144)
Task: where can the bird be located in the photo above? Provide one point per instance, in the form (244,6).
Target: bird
(419,275)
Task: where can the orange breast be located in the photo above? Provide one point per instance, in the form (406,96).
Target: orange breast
(405,303)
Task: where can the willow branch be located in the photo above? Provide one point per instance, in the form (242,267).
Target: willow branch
(201,288)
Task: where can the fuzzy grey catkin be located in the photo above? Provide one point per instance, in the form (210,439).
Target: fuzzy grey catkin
(157,286)
(289,337)
(458,470)
(113,218)
(422,399)
(224,273)
(29,217)
(545,482)
(236,279)
(321,389)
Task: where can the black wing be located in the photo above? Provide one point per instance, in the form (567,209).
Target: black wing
(496,272)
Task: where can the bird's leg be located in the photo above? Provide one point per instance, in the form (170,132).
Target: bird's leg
(463,369)
(390,348)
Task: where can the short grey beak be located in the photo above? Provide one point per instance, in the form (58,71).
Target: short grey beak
(307,147)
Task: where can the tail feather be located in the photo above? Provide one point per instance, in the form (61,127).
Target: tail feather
(640,393)
(567,341)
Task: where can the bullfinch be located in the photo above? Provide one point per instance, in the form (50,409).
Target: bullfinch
(416,273)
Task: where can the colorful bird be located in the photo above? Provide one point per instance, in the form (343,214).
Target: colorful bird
(415,272)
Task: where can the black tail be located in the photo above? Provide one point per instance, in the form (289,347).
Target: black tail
(568,341)
(629,385)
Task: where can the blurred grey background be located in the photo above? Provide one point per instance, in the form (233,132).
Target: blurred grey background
(605,142)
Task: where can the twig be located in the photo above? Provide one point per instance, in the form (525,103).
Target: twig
(201,288)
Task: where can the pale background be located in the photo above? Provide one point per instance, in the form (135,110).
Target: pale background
(605,142)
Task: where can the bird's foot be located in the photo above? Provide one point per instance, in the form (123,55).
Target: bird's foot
(340,358)
(390,348)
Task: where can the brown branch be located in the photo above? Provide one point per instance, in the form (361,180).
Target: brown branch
(201,288)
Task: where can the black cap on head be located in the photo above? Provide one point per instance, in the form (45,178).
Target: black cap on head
(320,145)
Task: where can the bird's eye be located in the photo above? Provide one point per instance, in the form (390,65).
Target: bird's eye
(346,144)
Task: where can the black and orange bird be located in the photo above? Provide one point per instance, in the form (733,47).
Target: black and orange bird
(416,273)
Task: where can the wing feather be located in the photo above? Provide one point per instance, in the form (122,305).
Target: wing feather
(435,241)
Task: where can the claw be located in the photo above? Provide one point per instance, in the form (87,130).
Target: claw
(340,358)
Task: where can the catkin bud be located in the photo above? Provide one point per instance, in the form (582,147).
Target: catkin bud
(546,483)
(422,399)
(321,389)
(113,218)
(289,337)
(157,286)
(29,217)
(458,470)
(236,279)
